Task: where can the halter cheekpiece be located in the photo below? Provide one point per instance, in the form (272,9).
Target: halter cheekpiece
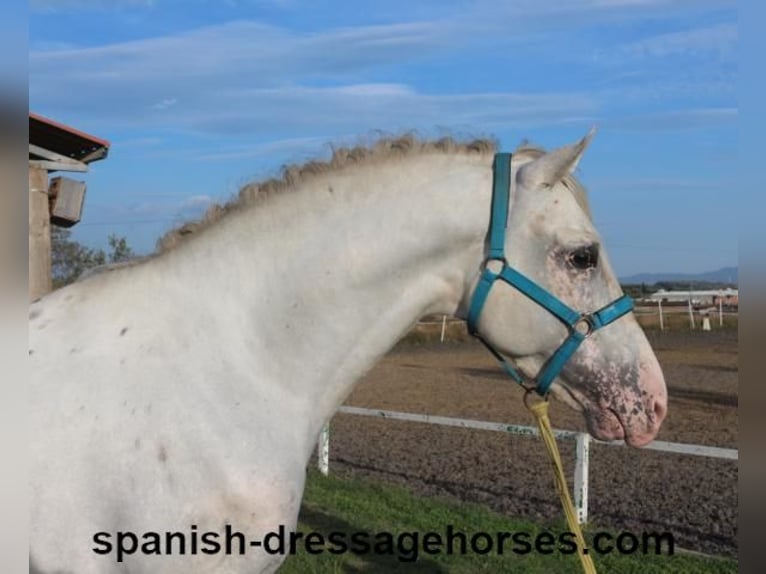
(579,325)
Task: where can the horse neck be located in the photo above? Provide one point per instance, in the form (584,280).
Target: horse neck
(323,280)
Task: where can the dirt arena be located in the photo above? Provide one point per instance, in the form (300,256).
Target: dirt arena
(693,497)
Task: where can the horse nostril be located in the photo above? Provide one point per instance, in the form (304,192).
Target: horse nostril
(659,408)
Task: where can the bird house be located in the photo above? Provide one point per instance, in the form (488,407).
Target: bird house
(67,197)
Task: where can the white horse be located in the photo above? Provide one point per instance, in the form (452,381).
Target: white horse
(189,389)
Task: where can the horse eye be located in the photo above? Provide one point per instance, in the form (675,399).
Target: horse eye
(584,257)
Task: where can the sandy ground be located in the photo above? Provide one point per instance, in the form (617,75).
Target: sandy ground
(695,498)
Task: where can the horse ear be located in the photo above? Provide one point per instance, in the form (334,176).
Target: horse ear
(549,169)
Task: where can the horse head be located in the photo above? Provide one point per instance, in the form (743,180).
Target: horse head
(559,312)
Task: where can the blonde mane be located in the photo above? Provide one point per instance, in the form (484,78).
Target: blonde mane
(384,149)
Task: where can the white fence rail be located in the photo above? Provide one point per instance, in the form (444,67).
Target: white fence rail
(704,314)
(706,317)
(582,450)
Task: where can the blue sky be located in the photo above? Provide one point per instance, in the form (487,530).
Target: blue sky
(198,97)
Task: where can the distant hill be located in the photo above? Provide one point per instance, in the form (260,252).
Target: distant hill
(728,275)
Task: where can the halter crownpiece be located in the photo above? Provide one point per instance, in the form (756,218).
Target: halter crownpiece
(579,325)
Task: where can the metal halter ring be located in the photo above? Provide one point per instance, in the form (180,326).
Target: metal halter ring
(532,391)
(586,320)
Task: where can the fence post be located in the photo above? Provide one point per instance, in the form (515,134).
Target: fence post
(581,477)
(691,314)
(444,327)
(323,450)
(662,320)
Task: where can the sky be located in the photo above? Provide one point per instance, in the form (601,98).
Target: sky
(198,97)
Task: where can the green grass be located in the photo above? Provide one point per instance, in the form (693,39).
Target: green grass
(456,332)
(332,504)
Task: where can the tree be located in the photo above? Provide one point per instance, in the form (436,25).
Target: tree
(120,250)
(70,259)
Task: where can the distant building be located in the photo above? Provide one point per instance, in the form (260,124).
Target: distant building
(729,298)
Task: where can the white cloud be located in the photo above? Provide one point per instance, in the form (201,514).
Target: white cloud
(282,147)
(247,76)
(151,206)
(720,39)
(164,104)
(642,185)
(361,108)
(221,58)
(518,16)
(250,77)
(374,90)
(67,5)
(139,142)
(675,120)
(196,203)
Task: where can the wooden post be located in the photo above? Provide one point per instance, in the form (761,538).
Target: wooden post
(323,450)
(662,321)
(720,311)
(39,234)
(691,314)
(582,460)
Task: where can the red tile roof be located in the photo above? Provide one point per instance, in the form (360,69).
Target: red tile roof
(65,140)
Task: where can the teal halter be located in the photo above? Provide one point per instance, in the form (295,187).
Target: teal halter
(580,325)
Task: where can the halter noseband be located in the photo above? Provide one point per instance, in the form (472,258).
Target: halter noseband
(580,325)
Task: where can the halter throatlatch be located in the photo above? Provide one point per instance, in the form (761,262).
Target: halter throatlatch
(579,325)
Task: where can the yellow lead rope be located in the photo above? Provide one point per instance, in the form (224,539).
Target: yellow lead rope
(540,410)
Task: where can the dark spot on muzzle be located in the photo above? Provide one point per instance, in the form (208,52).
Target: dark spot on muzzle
(602,384)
